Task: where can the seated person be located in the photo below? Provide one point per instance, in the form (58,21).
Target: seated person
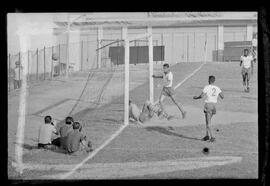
(76,142)
(63,131)
(147,112)
(45,134)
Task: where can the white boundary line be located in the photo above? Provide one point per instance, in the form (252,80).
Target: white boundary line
(118,132)
(94,152)
(190,75)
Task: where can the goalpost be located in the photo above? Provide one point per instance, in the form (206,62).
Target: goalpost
(127,40)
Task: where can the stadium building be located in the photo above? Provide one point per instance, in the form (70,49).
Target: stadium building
(177,36)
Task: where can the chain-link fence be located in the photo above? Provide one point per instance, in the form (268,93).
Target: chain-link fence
(51,62)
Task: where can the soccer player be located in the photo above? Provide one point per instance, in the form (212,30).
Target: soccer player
(45,134)
(212,92)
(247,68)
(254,47)
(147,112)
(168,89)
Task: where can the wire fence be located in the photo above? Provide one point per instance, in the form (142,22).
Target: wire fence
(48,63)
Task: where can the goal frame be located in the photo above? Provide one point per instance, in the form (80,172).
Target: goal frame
(127,40)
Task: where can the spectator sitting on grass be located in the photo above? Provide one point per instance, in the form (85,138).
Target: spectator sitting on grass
(45,134)
(76,142)
(63,131)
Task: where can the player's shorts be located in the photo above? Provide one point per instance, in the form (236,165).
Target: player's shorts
(246,71)
(144,117)
(210,108)
(167,91)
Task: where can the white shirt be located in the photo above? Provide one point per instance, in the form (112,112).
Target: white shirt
(134,111)
(246,61)
(45,133)
(211,92)
(168,78)
(18,73)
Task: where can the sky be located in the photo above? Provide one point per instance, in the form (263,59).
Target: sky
(38,27)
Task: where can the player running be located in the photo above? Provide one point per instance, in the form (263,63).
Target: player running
(147,112)
(212,92)
(247,68)
(168,89)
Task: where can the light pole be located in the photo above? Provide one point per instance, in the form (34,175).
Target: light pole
(68,30)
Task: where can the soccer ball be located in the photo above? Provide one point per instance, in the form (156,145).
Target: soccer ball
(205,151)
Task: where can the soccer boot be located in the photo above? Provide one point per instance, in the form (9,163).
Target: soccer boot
(212,139)
(205,138)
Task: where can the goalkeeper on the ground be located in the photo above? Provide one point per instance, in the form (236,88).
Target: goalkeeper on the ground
(147,112)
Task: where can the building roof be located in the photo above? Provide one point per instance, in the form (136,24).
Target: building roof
(154,19)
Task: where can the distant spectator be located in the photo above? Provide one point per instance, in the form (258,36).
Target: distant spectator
(18,73)
(77,142)
(63,131)
(46,132)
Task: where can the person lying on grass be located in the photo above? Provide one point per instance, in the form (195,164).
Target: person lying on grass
(147,112)
(77,142)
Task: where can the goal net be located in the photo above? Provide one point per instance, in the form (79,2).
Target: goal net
(107,90)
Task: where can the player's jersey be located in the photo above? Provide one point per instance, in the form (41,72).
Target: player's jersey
(246,61)
(168,78)
(212,93)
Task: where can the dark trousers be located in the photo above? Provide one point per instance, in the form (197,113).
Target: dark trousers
(17,84)
(46,146)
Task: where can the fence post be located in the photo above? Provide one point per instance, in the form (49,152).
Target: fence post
(9,75)
(52,64)
(60,67)
(28,62)
(19,65)
(44,63)
(37,64)
(82,56)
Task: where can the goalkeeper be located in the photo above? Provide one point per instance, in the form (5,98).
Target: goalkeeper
(147,112)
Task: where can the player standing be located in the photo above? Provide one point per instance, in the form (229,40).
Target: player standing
(212,92)
(247,68)
(168,89)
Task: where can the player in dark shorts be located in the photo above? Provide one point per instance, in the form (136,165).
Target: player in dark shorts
(147,112)
(212,93)
(167,90)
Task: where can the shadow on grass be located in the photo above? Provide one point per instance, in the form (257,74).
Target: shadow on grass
(35,147)
(170,133)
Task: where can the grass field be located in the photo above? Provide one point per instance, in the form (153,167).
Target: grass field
(153,151)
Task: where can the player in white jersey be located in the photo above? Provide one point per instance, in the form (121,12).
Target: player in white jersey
(212,93)
(168,89)
(246,61)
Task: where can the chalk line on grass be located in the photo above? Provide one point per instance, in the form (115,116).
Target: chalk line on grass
(94,152)
(118,132)
(131,169)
